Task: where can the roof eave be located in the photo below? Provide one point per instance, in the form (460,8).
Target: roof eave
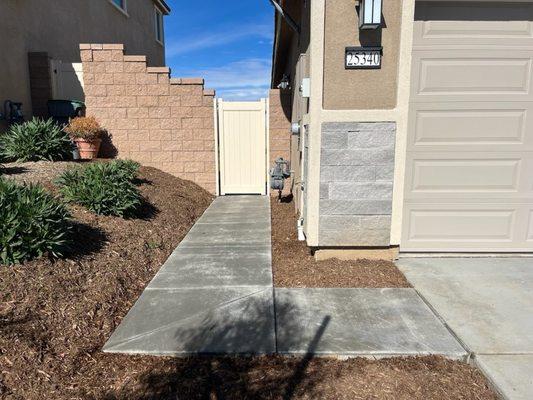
(163,6)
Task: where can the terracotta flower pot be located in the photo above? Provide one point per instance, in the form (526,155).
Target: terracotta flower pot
(88,149)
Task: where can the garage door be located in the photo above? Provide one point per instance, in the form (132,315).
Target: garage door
(469,172)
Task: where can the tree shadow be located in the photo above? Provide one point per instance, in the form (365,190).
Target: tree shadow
(88,240)
(146,211)
(107,148)
(212,374)
(12,170)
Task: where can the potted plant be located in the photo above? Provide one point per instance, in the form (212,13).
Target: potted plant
(87,133)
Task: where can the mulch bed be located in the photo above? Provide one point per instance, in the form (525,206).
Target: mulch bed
(56,316)
(35,172)
(294,264)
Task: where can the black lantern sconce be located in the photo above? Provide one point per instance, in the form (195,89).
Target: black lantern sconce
(370,14)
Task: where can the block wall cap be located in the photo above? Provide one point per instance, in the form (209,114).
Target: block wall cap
(158,70)
(209,92)
(113,46)
(135,58)
(192,81)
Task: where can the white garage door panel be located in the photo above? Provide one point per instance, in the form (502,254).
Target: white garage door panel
(476,225)
(469,227)
(469,171)
(453,175)
(462,175)
(440,24)
(472,75)
(471,124)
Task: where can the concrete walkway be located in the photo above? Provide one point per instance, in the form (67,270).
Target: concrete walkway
(215,295)
(488,303)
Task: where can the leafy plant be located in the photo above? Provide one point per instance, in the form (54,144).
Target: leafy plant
(86,128)
(129,168)
(33,223)
(104,188)
(35,140)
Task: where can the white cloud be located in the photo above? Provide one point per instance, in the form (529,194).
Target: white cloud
(243,94)
(183,45)
(247,79)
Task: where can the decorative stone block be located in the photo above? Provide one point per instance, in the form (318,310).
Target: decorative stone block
(357,168)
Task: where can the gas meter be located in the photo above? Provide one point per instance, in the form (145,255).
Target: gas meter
(278,174)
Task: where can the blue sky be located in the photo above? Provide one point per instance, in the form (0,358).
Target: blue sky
(229,43)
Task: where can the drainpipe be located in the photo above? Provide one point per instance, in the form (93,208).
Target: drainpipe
(286,16)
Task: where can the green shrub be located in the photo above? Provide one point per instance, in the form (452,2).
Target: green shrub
(35,140)
(32,222)
(104,188)
(129,168)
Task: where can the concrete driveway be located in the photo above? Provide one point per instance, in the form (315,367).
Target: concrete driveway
(488,304)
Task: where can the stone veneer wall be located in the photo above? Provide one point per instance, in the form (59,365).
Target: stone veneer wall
(280,134)
(159,121)
(40,84)
(356,180)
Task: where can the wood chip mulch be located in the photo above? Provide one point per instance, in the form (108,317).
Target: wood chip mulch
(35,172)
(56,316)
(294,265)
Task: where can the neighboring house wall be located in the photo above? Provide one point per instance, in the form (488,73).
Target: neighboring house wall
(279,126)
(58,28)
(160,122)
(40,82)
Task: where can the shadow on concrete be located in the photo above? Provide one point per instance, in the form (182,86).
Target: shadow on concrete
(212,376)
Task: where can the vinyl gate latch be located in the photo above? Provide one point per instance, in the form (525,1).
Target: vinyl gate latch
(278,174)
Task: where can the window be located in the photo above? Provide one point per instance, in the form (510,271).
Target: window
(159,31)
(120,4)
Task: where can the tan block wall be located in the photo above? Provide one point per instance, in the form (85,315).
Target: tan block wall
(280,125)
(156,120)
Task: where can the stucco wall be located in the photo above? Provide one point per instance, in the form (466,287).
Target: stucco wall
(164,122)
(360,89)
(58,27)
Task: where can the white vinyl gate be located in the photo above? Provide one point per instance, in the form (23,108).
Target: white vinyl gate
(242,141)
(67,81)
